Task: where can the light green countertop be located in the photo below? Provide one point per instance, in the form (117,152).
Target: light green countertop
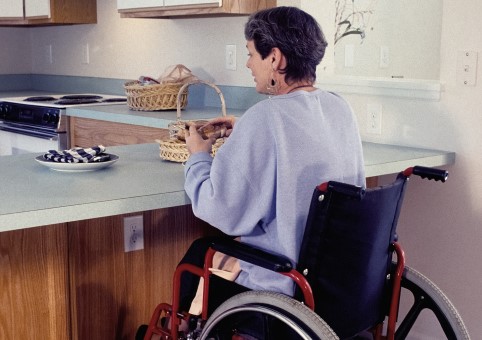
(33,195)
(158,119)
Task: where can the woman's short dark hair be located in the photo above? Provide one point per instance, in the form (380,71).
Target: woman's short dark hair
(295,33)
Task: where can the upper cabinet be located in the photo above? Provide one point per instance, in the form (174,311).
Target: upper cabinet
(47,12)
(187,8)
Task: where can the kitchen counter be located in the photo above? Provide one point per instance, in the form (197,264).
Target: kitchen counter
(139,181)
(157,119)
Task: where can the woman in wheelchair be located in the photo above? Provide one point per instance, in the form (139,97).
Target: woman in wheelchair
(258,187)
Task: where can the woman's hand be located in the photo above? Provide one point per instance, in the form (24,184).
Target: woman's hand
(195,143)
(227,121)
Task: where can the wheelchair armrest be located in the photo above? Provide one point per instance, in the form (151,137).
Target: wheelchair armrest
(256,256)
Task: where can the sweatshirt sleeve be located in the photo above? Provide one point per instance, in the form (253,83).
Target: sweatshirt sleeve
(232,192)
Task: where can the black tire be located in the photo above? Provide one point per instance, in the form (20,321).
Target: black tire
(141,332)
(428,296)
(293,314)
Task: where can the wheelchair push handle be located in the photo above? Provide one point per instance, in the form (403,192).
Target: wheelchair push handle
(425,172)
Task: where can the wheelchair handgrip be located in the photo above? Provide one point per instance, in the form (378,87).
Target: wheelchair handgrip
(430,173)
(256,256)
(347,189)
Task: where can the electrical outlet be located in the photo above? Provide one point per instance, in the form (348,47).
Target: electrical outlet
(230,57)
(467,68)
(374,119)
(133,233)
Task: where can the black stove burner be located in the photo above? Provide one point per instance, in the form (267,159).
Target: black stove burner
(114,100)
(81,97)
(76,101)
(40,99)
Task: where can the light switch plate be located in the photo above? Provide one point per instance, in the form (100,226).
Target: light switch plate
(384,56)
(85,54)
(49,54)
(349,55)
(230,57)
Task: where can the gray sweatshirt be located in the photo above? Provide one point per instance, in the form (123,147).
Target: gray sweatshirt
(259,184)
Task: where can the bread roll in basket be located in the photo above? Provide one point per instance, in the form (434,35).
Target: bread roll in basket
(174,148)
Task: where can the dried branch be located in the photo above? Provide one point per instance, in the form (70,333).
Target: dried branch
(350,20)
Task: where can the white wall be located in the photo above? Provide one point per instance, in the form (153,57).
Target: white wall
(447,247)
(128,48)
(410,29)
(441,224)
(15,51)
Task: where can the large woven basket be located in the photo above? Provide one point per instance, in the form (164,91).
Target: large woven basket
(175,150)
(155,97)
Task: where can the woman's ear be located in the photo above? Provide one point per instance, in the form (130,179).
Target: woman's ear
(275,57)
(278,60)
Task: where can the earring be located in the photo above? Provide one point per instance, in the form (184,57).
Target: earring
(272,86)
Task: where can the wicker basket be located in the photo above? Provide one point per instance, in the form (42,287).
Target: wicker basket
(155,97)
(175,150)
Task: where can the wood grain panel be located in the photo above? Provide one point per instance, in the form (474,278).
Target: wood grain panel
(88,132)
(34,283)
(74,11)
(114,292)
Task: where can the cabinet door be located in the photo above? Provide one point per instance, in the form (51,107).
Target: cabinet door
(11,9)
(131,4)
(37,8)
(192,2)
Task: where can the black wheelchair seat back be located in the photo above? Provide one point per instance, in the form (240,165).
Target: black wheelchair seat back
(346,252)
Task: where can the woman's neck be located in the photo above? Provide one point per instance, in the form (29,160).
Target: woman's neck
(306,87)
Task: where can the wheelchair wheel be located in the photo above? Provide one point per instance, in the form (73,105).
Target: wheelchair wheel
(426,295)
(141,332)
(292,318)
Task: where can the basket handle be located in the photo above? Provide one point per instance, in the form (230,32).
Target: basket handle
(198,81)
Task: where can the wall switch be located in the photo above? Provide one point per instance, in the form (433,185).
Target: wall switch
(133,233)
(374,119)
(349,55)
(48,54)
(85,54)
(467,68)
(384,56)
(230,57)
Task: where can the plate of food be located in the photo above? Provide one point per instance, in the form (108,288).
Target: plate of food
(78,167)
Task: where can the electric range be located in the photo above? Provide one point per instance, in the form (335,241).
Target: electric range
(42,120)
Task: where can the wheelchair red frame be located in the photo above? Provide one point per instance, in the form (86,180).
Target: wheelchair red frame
(284,268)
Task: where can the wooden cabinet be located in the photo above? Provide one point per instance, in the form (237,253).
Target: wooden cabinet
(47,12)
(34,281)
(86,132)
(114,292)
(74,280)
(189,8)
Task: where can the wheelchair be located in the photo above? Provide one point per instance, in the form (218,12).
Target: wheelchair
(350,278)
